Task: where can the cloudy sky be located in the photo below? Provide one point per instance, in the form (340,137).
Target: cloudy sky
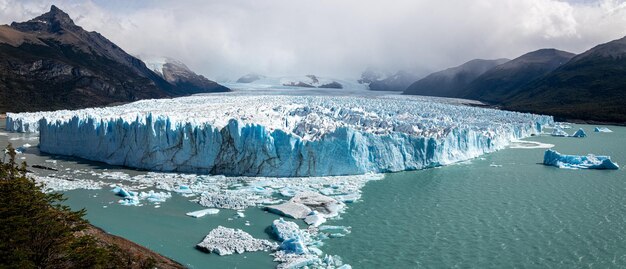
(337,38)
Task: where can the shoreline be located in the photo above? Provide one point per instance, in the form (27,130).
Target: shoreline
(140,254)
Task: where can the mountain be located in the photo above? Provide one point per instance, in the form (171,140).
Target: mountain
(311,81)
(178,74)
(591,87)
(509,78)
(450,82)
(249,78)
(50,63)
(379,82)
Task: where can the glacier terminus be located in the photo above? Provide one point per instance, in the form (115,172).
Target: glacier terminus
(280,136)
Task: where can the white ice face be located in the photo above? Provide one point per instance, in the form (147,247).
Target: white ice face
(278,135)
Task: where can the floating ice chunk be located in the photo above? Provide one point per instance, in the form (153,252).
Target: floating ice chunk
(294,245)
(324,205)
(602,130)
(155,197)
(348,198)
(203,212)
(290,209)
(315,219)
(580,133)
(133,198)
(60,184)
(226,241)
(183,189)
(291,260)
(559,132)
(227,199)
(123,192)
(285,229)
(590,161)
(20,150)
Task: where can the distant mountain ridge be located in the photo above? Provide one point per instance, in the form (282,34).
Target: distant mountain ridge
(50,63)
(377,81)
(449,82)
(507,79)
(178,74)
(587,87)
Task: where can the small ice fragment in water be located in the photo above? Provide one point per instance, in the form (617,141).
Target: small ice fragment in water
(602,130)
(203,212)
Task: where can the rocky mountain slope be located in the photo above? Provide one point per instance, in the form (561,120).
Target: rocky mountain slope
(50,63)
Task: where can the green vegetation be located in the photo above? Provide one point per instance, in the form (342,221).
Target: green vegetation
(37,231)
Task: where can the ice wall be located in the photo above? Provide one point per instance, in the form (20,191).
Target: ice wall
(285,136)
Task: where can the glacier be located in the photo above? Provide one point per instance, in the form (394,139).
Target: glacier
(590,161)
(279,136)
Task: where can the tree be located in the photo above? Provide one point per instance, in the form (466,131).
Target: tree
(38,231)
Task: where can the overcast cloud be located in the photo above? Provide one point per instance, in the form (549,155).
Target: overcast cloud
(337,38)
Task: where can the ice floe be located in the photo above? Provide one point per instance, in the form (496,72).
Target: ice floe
(590,161)
(227,241)
(203,212)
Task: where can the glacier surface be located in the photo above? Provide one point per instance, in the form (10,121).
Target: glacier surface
(282,136)
(590,161)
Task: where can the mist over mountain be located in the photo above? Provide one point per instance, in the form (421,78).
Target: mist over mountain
(225,39)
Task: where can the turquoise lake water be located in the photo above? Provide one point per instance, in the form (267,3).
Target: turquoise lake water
(504,210)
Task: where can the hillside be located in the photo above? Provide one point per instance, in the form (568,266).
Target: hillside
(591,87)
(507,79)
(450,82)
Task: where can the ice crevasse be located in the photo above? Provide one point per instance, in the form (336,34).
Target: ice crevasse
(280,135)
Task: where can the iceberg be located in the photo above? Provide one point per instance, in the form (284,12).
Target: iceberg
(227,241)
(590,161)
(279,136)
(602,130)
(285,229)
(580,133)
